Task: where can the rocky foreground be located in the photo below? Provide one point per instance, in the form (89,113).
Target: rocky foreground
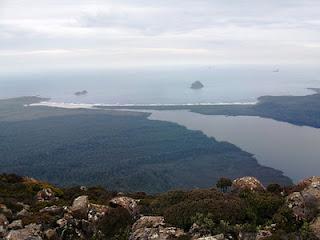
(34,210)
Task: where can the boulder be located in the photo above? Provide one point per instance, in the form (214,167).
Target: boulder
(6,211)
(196,231)
(17,224)
(154,227)
(45,194)
(128,203)
(97,212)
(23,213)
(51,234)
(315,227)
(311,181)
(52,210)
(247,183)
(306,204)
(62,222)
(3,225)
(80,207)
(23,205)
(148,222)
(296,202)
(263,234)
(215,237)
(247,236)
(3,220)
(30,232)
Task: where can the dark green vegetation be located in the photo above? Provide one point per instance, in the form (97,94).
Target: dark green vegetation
(224,183)
(214,212)
(117,150)
(298,110)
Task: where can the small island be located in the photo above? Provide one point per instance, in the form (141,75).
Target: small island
(81,93)
(196,85)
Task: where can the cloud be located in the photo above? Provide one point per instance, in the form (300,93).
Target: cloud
(123,32)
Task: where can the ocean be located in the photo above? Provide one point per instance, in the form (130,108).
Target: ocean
(222,84)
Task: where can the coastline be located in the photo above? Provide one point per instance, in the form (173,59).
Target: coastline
(97,105)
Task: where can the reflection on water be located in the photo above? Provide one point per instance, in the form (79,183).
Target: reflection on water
(293,149)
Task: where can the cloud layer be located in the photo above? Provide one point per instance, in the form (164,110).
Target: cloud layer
(78,33)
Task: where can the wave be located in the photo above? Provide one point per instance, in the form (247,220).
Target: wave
(95,105)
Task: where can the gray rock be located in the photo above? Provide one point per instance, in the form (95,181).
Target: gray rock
(263,234)
(306,204)
(23,213)
(3,225)
(45,194)
(62,222)
(52,209)
(6,211)
(247,183)
(17,224)
(23,205)
(315,227)
(215,237)
(154,227)
(97,212)
(128,203)
(80,207)
(30,232)
(51,234)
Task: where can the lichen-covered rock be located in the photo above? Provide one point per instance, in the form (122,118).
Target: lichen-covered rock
(295,201)
(23,205)
(17,224)
(80,207)
(196,231)
(247,183)
(154,227)
(76,229)
(3,225)
(315,227)
(263,234)
(45,194)
(62,222)
(247,236)
(23,213)
(311,181)
(51,234)
(29,232)
(97,212)
(6,211)
(306,204)
(128,203)
(215,237)
(3,220)
(52,210)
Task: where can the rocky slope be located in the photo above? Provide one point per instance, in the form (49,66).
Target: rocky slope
(34,210)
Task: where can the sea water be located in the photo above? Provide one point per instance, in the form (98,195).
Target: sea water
(225,84)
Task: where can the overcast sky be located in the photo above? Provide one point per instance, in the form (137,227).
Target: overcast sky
(122,33)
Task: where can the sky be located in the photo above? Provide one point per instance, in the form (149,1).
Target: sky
(46,34)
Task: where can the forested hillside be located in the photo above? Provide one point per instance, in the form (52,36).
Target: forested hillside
(123,151)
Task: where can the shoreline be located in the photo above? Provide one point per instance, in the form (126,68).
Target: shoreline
(97,105)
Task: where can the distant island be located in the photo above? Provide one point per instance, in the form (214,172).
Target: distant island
(81,93)
(196,85)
